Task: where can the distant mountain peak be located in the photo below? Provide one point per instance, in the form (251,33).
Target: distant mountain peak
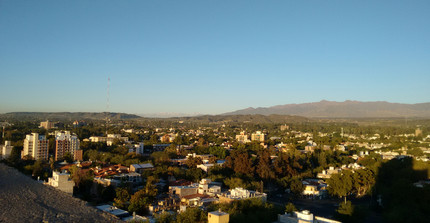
(345,109)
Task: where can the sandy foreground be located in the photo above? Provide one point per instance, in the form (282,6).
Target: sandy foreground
(22,199)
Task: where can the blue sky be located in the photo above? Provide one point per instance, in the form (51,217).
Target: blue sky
(210,57)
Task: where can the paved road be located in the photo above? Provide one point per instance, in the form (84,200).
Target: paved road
(24,200)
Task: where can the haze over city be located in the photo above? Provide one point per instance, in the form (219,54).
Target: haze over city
(210,57)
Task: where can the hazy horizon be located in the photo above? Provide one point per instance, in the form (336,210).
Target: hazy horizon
(198,57)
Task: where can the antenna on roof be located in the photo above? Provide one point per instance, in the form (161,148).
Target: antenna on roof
(107,106)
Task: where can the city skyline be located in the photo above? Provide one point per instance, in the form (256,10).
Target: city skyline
(197,57)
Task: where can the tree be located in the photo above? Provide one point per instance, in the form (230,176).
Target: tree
(296,186)
(68,157)
(212,159)
(192,162)
(191,215)
(122,197)
(345,208)
(139,202)
(242,163)
(340,184)
(283,167)
(164,217)
(151,188)
(38,168)
(264,169)
(80,177)
(234,182)
(51,163)
(290,208)
(218,151)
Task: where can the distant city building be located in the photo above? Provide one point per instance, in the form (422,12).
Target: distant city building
(218,217)
(258,136)
(47,124)
(137,148)
(168,137)
(109,139)
(418,132)
(5,150)
(62,182)
(36,146)
(284,127)
(242,137)
(65,142)
(79,123)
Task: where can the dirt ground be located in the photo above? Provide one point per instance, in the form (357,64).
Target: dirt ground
(23,199)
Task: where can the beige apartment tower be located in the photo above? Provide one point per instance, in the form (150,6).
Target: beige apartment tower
(35,146)
(258,136)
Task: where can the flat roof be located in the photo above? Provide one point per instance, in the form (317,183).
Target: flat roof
(218,213)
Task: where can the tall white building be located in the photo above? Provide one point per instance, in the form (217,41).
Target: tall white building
(36,146)
(5,150)
(65,142)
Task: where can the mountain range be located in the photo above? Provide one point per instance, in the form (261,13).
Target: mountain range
(346,109)
(70,116)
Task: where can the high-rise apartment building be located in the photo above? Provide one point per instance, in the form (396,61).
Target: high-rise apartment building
(258,136)
(242,137)
(65,142)
(36,146)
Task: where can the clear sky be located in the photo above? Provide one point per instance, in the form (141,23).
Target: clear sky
(208,56)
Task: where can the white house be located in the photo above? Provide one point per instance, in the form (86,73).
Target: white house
(62,182)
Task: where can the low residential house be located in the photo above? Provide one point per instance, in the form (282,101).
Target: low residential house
(206,166)
(240,194)
(180,182)
(326,174)
(314,188)
(182,191)
(303,217)
(206,186)
(109,170)
(165,204)
(115,175)
(119,213)
(117,180)
(310,148)
(139,168)
(195,200)
(218,217)
(341,147)
(61,181)
(422,183)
